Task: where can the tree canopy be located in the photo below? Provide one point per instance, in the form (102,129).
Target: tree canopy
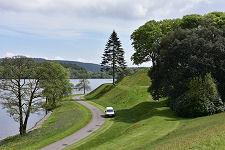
(83,83)
(185,54)
(55,81)
(201,99)
(147,37)
(113,56)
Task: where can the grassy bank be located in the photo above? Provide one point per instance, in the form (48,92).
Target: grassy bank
(142,123)
(69,117)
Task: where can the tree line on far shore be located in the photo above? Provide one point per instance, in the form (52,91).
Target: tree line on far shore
(77,71)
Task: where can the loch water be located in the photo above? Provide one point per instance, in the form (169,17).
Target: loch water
(9,127)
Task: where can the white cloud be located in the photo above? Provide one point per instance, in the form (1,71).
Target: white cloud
(70,59)
(44,57)
(93,8)
(191,4)
(83,60)
(69,18)
(58,58)
(126,9)
(75,19)
(10,54)
(8,32)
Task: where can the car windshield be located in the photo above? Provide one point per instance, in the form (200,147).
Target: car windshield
(109,110)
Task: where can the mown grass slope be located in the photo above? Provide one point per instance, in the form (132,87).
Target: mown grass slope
(69,117)
(130,91)
(142,123)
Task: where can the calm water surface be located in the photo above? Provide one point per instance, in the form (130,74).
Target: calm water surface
(8,127)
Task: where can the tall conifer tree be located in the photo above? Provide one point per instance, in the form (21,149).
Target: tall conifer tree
(113,56)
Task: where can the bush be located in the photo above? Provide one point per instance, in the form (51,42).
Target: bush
(201,99)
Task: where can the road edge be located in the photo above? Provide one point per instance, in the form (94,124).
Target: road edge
(96,122)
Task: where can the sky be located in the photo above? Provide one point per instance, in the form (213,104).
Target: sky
(78,30)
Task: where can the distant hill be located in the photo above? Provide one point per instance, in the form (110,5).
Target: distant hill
(89,66)
(77,68)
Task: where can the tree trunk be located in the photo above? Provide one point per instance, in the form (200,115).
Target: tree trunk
(28,110)
(46,103)
(21,119)
(113,74)
(46,100)
(84,85)
(54,101)
(153,57)
(23,130)
(113,66)
(27,116)
(20,108)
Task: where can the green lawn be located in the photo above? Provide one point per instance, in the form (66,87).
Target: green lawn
(69,117)
(142,123)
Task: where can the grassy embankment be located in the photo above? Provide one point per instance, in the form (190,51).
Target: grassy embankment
(69,117)
(142,123)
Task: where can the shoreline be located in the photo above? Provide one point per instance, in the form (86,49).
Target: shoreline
(40,122)
(93,125)
(36,126)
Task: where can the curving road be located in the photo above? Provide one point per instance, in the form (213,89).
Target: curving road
(93,125)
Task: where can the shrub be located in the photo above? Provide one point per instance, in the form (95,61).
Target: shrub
(201,99)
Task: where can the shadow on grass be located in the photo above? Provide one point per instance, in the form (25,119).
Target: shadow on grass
(106,89)
(143,111)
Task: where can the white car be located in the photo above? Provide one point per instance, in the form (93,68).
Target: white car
(109,112)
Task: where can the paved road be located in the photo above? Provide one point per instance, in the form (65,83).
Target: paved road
(93,125)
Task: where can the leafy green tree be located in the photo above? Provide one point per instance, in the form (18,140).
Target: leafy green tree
(1,70)
(216,19)
(185,54)
(147,37)
(191,21)
(83,83)
(55,82)
(113,56)
(201,99)
(20,89)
